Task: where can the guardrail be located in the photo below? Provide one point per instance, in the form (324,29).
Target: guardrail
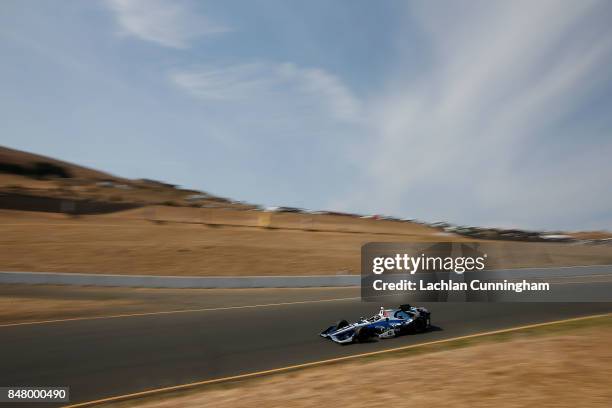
(222,282)
(147,281)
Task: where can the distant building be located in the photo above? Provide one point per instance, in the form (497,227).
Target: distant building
(557,237)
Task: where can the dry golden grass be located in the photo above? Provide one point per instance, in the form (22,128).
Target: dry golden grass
(231,245)
(303,222)
(564,370)
(8,181)
(591,235)
(120,243)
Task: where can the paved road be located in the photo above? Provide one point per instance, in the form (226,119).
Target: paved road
(107,357)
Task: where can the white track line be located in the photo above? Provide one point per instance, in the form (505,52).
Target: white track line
(167,312)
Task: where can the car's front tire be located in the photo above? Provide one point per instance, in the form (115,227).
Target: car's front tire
(341,324)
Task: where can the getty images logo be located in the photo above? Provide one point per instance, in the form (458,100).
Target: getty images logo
(413,264)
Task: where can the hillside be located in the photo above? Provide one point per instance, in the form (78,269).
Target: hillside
(14,161)
(23,173)
(154,228)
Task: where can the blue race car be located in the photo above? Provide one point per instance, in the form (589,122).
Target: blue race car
(386,324)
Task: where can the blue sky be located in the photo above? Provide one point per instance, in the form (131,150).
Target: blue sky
(488,113)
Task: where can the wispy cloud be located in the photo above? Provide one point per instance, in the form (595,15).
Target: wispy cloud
(288,127)
(165,22)
(479,136)
(265,85)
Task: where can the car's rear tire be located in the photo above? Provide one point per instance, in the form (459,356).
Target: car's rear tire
(420,325)
(363,333)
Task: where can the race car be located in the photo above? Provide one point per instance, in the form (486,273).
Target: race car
(386,324)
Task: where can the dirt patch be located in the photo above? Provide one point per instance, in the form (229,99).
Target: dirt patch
(564,370)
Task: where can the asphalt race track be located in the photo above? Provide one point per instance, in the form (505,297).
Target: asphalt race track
(107,357)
